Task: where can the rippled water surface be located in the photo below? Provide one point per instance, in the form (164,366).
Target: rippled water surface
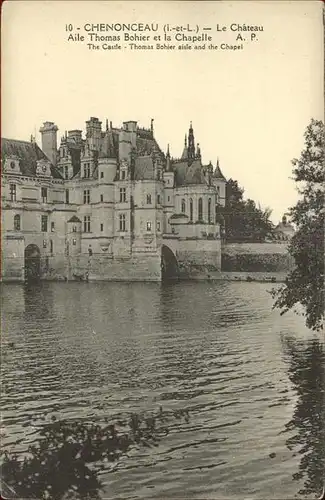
(251,381)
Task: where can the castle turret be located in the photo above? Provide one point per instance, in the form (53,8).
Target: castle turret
(49,140)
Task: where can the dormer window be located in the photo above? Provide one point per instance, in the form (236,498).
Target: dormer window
(123,175)
(11,165)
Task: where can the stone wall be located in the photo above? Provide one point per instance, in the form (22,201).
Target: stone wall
(103,267)
(256,257)
(198,258)
(12,258)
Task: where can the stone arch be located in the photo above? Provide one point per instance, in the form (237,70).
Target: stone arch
(169,264)
(32,263)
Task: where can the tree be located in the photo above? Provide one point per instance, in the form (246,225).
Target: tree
(305,283)
(244,221)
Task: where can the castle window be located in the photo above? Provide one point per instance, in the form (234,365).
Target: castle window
(86,196)
(66,172)
(183,206)
(191,210)
(101,197)
(87,224)
(148,226)
(209,211)
(74,229)
(158,199)
(158,175)
(102,175)
(122,222)
(148,199)
(74,241)
(200,209)
(44,194)
(67,195)
(102,227)
(87,170)
(218,193)
(13,192)
(123,175)
(44,224)
(158,225)
(122,195)
(168,199)
(17,222)
(12,164)
(51,247)
(52,227)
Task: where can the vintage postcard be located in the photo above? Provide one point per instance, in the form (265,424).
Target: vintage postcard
(162,250)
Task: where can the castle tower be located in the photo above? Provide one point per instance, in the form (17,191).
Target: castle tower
(49,140)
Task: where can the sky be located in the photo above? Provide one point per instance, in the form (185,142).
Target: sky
(249,107)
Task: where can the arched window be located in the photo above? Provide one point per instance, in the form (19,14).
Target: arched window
(200,209)
(17,222)
(209,211)
(191,210)
(183,206)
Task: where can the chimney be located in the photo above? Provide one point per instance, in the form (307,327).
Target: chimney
(49,141)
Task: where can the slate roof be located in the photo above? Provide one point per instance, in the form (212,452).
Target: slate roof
(217,174)
(186,174)
(143,168)
(28,153)
(146,146)
(109,145)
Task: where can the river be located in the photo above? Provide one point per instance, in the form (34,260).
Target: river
(249,381)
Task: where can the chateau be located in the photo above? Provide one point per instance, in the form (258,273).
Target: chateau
(111,205)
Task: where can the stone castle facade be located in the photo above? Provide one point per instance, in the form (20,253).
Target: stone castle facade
(110,205)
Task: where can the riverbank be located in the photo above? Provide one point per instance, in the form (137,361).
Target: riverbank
(266,277)
(277,277)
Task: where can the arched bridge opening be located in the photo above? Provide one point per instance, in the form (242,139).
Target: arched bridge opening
(169,264)
(32,263)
